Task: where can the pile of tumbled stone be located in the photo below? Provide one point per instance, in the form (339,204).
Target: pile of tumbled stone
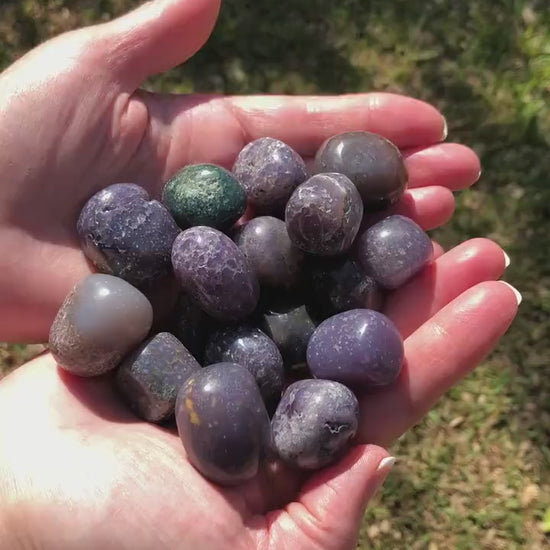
(273,323)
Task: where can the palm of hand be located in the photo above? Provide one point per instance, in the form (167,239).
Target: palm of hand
(107,479)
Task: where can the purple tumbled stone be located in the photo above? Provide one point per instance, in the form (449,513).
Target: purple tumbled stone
(215,273)
(125,234)
(223,423)
(340,284)
(251,348)
(150,378)
(266,244)
(373,164)
(314,423)
(324,214)
(100,321)
(269,170)
(358,347)
(394,250)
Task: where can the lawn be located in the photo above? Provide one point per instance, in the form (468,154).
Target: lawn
(476,472)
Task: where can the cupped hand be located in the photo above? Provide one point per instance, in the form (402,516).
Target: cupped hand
(76,469)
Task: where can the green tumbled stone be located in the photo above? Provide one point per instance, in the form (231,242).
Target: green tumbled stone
(205,194)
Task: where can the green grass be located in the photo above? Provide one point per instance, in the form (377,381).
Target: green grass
(475,473)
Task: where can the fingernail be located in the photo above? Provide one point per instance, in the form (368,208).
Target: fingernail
(519,297)
(445,130)
(386,464)
(507,260)
(479,174)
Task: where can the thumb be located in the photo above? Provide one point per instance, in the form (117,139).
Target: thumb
(156,37)
(329,510)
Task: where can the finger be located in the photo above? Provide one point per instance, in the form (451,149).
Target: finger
(429,207)
(448,164)
(464,266)
(438,250)
(329,510)
(441,352)
(156,37)
(305,122)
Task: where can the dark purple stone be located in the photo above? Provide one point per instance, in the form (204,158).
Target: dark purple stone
(324,214)
(223,423)
(251,348)
(340,284)
(215,273)
(125,234)
(269,170)
(358,347)
(394,250)
(150,378)
(101,320)
(314,423)
(266,244)
(290,327)
(372,163)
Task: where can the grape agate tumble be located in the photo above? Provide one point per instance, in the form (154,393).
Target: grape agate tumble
(324,214)
(252,349)
(394,250)
(150,378)
(125,234)
(360,347)
(269,170)
(266,244)
(373,164)
(205,194)
(215,273)
(223,423)
(100,321)
(314,423)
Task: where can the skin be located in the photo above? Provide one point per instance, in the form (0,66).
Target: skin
(77,470)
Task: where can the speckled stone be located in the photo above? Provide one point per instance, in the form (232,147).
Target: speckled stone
(251,348)
(190,325)
(340,284)
(373,164)
(215,273)
(269,170)
(100,321)
(394,250)
(223,423)
(266,244)
(205,194)
(125,234)
(314,423)
(324,214)
(360,347)
(290,327)
(150,378)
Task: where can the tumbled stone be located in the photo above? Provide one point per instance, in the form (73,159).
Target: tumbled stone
(290,327)
(372,162)
(215,273)
(251,348)
(100,321)
(323,215)
(266,244)
(150,378)
(314,423)
(394,250)
(205,194)
(269,170)
(223,423)
(124,233)
(360,347)
(340,284)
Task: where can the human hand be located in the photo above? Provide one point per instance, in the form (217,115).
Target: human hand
(72,121)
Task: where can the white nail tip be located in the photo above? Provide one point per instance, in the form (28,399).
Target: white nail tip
(519,297)
(507,260)
(445,130)
(386,463)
